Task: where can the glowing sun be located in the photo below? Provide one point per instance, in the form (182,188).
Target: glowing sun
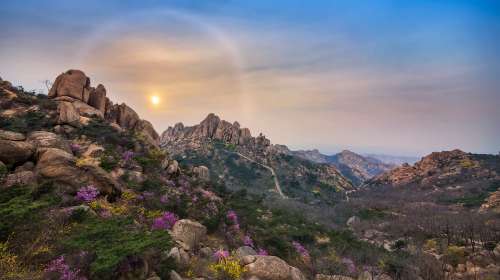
(155,100)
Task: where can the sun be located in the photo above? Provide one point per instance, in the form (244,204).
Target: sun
(155,100)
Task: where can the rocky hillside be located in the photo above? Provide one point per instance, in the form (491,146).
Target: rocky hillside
(353,166)
(85,193)
(232,154)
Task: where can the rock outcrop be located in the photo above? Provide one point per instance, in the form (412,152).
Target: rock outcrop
(188,233)
(212,127)
(60,166)
(15,152)
(270,268)
(78,101)
(441,168)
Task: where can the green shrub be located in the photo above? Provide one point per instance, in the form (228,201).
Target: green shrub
(31,121)
(455,255)
(19,206)
(112,240)
(108,162)
(3,171)
(371,213)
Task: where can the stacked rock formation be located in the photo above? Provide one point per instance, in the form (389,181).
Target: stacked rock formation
(78,101)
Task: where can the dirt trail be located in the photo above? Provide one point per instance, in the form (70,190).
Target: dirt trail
(275,177)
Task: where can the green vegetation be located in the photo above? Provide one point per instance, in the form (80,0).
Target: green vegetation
(112,240)
(100,131)
(30,122)
(371,213)
(21,204)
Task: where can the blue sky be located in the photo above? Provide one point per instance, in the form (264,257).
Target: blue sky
(398,77)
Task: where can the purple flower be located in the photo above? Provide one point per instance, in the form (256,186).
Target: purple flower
(351,267)
(166,221)
(65,273)
(247,240)
(105,213)
(221,254)
(301,250)
(262,252)
(127,156)
(232,216)
(87,194)
(75,148)
(164,199)
(147,195)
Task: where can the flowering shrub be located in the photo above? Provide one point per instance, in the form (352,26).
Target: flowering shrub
(166,221)
(233,218)
(87,194)
(247,240)
(60,267)
(351,267)
(10,267)
(127,156)
(262,252)
(221,254)
(227,268)
(301,250)
(75,148)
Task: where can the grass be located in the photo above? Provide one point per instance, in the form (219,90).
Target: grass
(19,205)
(112,240)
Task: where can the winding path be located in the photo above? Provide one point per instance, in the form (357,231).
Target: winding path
(275,177)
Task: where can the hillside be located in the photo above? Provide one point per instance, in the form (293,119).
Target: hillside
(87,194)
(233,155)
(355,167)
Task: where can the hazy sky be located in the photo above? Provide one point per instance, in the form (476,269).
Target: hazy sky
(397,77)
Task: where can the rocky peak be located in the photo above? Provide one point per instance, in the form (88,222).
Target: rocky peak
(77,100)
(213,128)
(438,168)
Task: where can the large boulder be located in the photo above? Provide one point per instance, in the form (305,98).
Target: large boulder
(73,83)
(68,114)
(244,251)
(60,166)
(20,178)
(44,139)
(126,117)
(97,98)
(202,172)
(270,268)
(146,128)
(11,135)
(15,152)
(188,233)
(86,110)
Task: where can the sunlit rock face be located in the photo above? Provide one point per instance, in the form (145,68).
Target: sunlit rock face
(78,101)
(212,127)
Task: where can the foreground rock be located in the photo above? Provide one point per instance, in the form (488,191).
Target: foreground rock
(15,152)
(188,233)
(60,166)
(270,268)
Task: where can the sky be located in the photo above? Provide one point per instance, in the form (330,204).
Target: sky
(388,77)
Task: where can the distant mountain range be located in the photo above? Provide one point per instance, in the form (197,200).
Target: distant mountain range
(395,160)
(355,167)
